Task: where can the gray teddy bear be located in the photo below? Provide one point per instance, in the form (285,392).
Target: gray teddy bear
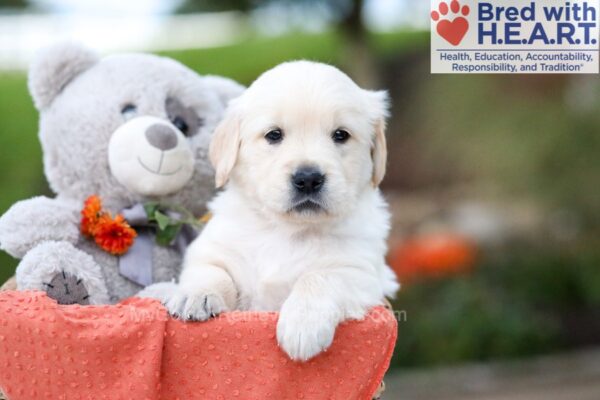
(134,130)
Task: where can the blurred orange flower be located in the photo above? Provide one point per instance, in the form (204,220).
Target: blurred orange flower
(432,255)
(113,235)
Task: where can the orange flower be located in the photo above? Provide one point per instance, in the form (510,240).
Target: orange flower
(432,255)
(90,214)
(114,236)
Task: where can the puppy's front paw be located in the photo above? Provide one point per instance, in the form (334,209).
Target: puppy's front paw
(304,331)
(196,306)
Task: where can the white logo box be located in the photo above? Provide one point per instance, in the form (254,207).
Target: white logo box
(515,36)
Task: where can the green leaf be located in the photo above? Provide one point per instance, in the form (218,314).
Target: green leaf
(168,227)
(184,212)
(151,208)
(165,237)
(162,220)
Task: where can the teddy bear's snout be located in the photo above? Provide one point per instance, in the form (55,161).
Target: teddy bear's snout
(161,137)
(150,156)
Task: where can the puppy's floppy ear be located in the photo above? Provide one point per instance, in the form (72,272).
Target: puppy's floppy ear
(224,147)
(54,67)
(225,88)
(379,112)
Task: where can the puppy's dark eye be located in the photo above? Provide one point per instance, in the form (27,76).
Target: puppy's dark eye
(274,136)
(181,125)
(340,136)
(128,110)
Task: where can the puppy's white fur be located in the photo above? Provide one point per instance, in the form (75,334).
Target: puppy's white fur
(317,267)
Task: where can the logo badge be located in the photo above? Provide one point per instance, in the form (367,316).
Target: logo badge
(515,36)
(450,22)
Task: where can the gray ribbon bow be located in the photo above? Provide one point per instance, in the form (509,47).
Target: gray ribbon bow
(136,265)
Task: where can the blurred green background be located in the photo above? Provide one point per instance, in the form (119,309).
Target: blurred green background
(505,167)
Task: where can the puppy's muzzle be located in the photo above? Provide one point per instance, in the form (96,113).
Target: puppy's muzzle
(308,181)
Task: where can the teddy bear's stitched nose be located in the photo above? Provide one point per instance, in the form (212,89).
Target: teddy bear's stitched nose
(161,136)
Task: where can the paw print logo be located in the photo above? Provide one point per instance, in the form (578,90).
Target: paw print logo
(452,30)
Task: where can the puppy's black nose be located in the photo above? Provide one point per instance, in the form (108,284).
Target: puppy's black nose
(308,180)
(161,136)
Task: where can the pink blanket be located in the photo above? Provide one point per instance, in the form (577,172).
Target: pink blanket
(134,350)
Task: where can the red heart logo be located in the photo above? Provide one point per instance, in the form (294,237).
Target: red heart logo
(454,31)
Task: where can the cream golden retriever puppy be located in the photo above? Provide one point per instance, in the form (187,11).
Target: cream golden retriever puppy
(301,226)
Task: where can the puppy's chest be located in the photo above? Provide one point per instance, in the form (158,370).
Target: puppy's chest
(273,266)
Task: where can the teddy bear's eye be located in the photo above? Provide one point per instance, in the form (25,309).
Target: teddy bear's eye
(184,118)
(128,110)
(181,125)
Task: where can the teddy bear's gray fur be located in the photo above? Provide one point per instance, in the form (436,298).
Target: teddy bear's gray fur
(81,99)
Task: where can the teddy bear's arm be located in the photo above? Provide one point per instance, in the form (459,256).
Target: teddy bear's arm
(30,222)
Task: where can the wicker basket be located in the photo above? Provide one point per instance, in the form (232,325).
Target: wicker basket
(11,284)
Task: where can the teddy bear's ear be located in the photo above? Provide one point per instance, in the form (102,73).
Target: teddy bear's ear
(225,88)
(54,67)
